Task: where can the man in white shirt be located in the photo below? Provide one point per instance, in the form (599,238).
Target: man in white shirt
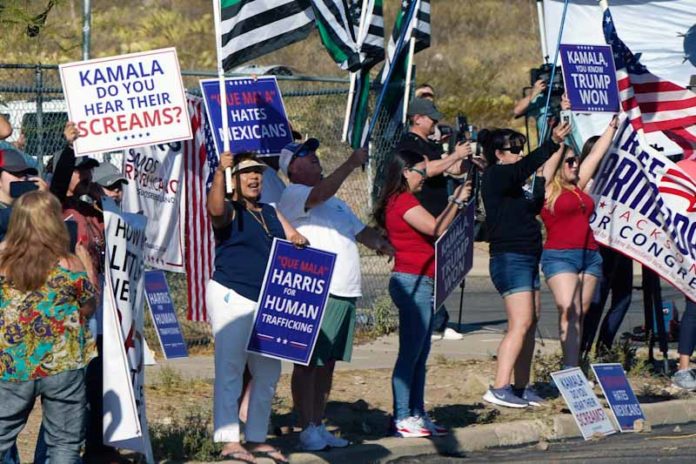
(308,202)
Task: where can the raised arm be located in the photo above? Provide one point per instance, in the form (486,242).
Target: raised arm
(64,166)
(589,165)
(550,166)
(523,104)
(328,186)
(437,167)
(424,222)
(221,212)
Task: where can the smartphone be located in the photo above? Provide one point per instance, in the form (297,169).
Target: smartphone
(72,231)
(566,116)
(20,187)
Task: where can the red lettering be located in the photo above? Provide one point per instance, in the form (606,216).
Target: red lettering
(122,123)
(152,119)
(91,127)
(82,129)
(129,171)
(109,124)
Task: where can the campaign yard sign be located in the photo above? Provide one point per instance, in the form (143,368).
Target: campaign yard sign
(619,394)
(582,402)
(164,316)
(255,114)
(454,254)
(291,306)
(590,78)
(126,101)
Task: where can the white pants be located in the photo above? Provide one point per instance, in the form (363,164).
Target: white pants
(232,317)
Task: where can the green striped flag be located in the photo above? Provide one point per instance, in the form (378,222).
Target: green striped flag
(337,32)
(418,28)
(252,28)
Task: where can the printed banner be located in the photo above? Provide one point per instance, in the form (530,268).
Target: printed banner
(126,101)
(619,394)
(454,254)
(583,403)
(125,421)
(256,114)
(590,78)
(154,176)
(164,315)
(646,209)
(291,305)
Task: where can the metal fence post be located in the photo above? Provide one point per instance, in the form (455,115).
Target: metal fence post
(39,115)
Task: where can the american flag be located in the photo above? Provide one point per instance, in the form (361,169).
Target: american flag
(200,161)
(652,103)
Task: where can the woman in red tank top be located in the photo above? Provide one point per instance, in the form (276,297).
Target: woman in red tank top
(571,262)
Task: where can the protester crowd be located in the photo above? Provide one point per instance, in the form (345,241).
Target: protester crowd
(52,267)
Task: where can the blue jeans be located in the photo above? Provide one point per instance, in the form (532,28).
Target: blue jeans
(617,270)
(687,329)
(63,403)
(413,296)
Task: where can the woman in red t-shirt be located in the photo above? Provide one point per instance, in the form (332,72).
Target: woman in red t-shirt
(571,262)
(412,230)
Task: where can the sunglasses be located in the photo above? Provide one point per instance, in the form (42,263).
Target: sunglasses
(571,161)
(419,171)
(426,95)
(515,150)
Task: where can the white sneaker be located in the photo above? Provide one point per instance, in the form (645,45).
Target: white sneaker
(311,439)
(411,427)
(436,337)
(332,440)
(451,334)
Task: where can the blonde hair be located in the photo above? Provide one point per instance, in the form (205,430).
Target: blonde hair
(36,240)
(557,184)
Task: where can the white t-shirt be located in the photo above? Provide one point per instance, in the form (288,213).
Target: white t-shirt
(330,226)
(272,187)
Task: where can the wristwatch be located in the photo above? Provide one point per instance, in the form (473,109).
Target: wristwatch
(456,201)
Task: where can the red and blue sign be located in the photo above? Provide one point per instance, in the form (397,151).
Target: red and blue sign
(619,394)
(291,306)
(590,78)
(454,254)
(256,116)
(164,316)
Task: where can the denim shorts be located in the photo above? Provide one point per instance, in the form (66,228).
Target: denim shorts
(514,273)
(572,261)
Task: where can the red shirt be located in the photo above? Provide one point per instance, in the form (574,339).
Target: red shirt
(415,252)
(568,227)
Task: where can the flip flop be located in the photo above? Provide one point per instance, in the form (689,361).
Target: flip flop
(244,456)
(275,454)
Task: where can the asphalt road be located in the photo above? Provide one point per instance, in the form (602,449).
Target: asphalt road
(483,308)
(661,445)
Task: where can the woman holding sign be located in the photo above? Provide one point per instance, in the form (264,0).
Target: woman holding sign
(515,247)
(571,261)
(411,231)
(244,230)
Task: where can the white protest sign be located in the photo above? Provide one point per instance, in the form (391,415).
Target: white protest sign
(126,101)
(154,176)
(125,420)
(583,403)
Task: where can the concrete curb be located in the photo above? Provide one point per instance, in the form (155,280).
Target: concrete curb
(480,437)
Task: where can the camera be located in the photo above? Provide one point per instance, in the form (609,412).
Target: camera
(543,72)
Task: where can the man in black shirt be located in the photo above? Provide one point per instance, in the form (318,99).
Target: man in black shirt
(423,118)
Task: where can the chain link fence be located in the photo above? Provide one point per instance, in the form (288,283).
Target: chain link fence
(31,99)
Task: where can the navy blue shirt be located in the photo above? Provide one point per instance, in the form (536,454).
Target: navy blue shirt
(243,248)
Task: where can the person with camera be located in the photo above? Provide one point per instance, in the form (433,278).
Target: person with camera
(244,230)
(411,230)
(515,248)
(423,118)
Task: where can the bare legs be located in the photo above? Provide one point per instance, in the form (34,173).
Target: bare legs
(311,386)
(573,295)
(517,347)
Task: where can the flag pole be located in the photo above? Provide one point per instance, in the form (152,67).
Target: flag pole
(397,52)
(362,29)
(542,31)
(223,93)
(409,73)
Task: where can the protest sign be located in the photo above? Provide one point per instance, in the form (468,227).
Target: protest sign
(154,176)
(590,78)
(454,254)
(125,421)
(126,101)
(291,305)
(583,403)
(619,394)
(646,209)
(164,315)
(256,114)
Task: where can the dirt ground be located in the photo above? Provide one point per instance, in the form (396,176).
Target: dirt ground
(179,409)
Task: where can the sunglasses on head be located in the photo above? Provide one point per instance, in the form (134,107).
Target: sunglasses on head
(571,161)
(515,149)
(419,171)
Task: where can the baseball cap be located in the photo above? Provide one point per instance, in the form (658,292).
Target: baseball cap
(295,149)
(106,175)
(11,160)
(425,107)
(246,164)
